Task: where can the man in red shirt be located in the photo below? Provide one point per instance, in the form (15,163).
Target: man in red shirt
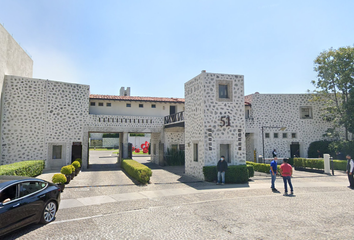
(286,172)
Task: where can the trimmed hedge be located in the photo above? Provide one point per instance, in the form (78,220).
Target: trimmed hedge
(234,174)
(26,168)
(66,170)
(319,163)
(250,170)
(262,167)
(137,170)
(59,178)
(76,164)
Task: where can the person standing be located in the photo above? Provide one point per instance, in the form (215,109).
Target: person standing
(221,167)
(286,172)
(350,170)
(274,153)
(273,172)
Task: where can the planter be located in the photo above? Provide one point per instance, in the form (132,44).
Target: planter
(77,171)
(61,186)
(68,179)
(72,175)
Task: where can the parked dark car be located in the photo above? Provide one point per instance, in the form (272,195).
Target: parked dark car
(25,200)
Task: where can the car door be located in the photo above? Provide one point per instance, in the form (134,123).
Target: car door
(32,199)
(10,212)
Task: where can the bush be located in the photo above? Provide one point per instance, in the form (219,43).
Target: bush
(59,178)
(79,160)
(137,170)
(323,146)
(72,168)
(309,163)
(250,170)
(174,157)
(76,164)
(110,135)
(66,170)
(262,167)
(345,147)
(234,174)
(339,165)
(25,168)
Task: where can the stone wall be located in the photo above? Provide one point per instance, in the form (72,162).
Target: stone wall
(283,110)
(173,136)
(211,121)
(38,114)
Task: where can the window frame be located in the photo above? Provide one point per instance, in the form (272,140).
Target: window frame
(92,104)
(275,135)
(141,105)
(61,152)
(310,112)
(195,152)
(153,105)
(101,104)
(267,135)
(128,105)
(108,104)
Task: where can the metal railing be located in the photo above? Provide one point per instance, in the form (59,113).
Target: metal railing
(174,118)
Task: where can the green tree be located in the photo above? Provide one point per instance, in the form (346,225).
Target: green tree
(335,80)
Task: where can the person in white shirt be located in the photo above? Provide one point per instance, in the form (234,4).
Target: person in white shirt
(350,169)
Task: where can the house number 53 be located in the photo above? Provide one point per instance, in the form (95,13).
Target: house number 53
(225,121)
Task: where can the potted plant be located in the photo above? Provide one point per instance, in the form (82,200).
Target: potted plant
(60,180)
(80,161)
(67,171)
(77,165)
(72,171)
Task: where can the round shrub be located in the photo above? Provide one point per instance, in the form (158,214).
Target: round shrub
(76,164)
(59,178)
(72,168)
(79,160)
(66,170)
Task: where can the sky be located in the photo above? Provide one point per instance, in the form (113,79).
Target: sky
(155,46)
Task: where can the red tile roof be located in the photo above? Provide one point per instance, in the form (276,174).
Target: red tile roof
(144,99)
(134,98)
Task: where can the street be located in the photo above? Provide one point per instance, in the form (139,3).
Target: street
(106,204)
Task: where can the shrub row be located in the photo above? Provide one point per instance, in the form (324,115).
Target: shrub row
(319,163)
(26,168)
(261,167)
(234,174)
(137,170)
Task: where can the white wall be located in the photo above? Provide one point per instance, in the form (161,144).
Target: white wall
(119,108)
(283,110)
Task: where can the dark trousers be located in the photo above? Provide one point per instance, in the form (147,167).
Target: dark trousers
(351,180)
(287,180)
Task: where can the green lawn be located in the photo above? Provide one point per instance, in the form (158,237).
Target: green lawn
(103,149)
(134,153)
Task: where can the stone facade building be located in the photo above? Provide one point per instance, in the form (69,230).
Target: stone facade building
(52,120)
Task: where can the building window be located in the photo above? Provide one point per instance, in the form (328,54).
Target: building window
(153,105)
(108,104)
(141,105)
(223,91)
(275,135)
(293,135)
(100,104)
(267,135)
(247,114)
(181,147)
(195,152)
(285,135)
(174,147)
(56,152)
(128,105)
(305,112)
(92,103)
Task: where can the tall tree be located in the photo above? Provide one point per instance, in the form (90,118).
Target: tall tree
(335,80)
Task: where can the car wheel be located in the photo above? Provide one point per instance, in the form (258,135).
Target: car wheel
(49,212)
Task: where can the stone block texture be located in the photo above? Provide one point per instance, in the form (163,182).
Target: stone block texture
(204,116)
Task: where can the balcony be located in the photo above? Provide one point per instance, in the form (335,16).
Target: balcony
(174,120)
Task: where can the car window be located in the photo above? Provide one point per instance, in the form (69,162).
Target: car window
(31,187)
(8,194)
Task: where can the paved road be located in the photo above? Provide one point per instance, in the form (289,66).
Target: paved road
(174,206)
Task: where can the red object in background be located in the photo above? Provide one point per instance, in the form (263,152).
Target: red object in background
(137,150)
(142,146)
(133,148)
(145,150)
